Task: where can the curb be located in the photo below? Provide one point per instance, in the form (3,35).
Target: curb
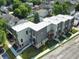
(56,46)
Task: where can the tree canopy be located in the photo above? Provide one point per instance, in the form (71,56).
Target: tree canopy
(2,24)
(2,30)
(36,17)
(2,36)
(21,10)
(3,2)
(60,8)
(77,8)
(36,2)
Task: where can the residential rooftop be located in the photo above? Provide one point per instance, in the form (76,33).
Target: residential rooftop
(46,21)
(23,26)
(65,16)
(40,26)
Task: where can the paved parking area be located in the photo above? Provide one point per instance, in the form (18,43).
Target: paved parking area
(70,50)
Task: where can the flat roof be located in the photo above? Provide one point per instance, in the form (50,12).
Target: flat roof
(53,20)
(40,26)
(46,21)
(31,25)
(65,16)
(23,26)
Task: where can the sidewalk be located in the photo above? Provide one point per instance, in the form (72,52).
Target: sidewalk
(14,52)
(65,50)
(52,48)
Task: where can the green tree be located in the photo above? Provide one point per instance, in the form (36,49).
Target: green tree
(22,10)
(77,8)
(36,2)
(16,4)
(16,1)
(9,2)
(36,18)
(17,12)
(2,24)
(2,37)
(3,2)
(2,31)
(60,8)
(57,9)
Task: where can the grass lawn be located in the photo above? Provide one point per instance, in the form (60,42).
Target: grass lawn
(73,31)
(61,38)
(68,34)
(51,43)
(31,51)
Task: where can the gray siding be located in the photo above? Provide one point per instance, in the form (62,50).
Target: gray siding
(41,35)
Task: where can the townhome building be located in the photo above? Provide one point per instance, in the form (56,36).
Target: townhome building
(23,33)
(49,28)
(68,21)
(39,33)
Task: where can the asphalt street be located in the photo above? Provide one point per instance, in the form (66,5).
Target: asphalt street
(69,50)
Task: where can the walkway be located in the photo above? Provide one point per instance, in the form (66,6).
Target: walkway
(14,52)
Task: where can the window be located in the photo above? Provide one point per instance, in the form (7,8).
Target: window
(33,33)
(27,32)
(21,40)
(22,44)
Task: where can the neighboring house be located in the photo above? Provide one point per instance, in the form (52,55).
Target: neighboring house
(12,20)
(4,9)
(37,34)
(76,15)
(72,12)
(42,13)
(36,7)
(30,4)
(71,1)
